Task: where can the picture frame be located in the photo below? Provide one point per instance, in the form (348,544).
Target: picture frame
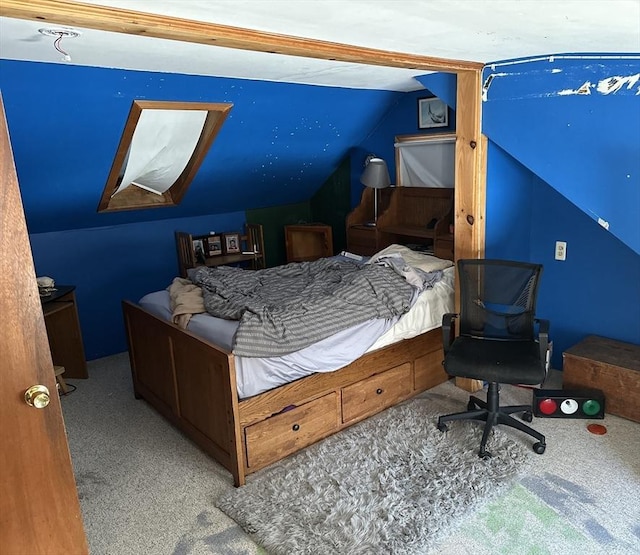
(198,251)
(432,112)
(231,243)
(214,244)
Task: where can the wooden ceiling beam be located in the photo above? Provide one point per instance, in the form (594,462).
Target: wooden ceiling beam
(117,20)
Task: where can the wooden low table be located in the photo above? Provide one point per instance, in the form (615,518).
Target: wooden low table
(609,365)
(58,371)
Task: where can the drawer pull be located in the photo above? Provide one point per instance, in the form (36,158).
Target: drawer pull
(295,427)
(379,391)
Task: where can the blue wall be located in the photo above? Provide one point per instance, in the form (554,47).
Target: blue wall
(556,163)
(278,145)
(585,145)
(550,156)
(109,264)
(597,289)
(508,215)
(400,118)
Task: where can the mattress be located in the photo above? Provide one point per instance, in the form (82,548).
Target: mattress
(256,375)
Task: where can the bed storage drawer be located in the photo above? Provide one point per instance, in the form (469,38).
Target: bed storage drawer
(287,432)
(376,393)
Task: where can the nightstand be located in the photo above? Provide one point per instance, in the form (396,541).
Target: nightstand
(63,330)
(307,242)
(364,239)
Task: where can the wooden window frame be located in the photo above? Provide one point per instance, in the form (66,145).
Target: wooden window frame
(134,198)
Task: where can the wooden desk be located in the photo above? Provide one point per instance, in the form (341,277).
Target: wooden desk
(418,215)
(63,330)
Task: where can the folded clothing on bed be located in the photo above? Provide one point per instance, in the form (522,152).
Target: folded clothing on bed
(286,308)
(186,300)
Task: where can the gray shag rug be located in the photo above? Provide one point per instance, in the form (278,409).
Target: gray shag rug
(391,484)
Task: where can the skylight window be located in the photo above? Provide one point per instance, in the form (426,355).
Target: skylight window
(161,149)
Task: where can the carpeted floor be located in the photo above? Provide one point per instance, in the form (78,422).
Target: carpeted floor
(144,488)
(391,484)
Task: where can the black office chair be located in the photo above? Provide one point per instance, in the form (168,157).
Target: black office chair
(497,342)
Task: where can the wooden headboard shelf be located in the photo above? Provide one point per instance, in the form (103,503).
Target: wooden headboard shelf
(420,215)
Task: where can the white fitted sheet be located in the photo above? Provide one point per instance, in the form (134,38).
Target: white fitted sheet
(256,375)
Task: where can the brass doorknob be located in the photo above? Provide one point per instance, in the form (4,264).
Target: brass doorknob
(37,396)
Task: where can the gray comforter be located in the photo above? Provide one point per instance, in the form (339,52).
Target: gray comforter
(286,308)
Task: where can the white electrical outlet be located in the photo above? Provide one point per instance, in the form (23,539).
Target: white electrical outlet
(561,250)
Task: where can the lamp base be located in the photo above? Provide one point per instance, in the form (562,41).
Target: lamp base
(369,224)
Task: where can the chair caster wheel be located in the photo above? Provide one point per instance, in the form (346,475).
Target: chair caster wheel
(527,416)
(539,447)
(484,455)
(442,427)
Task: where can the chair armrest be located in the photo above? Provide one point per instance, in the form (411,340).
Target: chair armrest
(448,330)
(543,337)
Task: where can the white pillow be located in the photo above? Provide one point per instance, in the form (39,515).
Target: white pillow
(416,259)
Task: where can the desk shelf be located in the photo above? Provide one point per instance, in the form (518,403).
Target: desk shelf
(409,231)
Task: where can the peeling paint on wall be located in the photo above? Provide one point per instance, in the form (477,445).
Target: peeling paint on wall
(487,84)
(606,86)
(614,84)
(584,89)
(601,221)
(561,76)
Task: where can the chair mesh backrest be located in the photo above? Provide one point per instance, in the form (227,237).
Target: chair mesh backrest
(498,298)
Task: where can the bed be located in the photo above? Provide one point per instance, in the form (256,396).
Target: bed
(249,412)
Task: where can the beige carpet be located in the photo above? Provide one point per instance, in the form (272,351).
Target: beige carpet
(146,489)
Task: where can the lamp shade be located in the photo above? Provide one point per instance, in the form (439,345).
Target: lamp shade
(376,174)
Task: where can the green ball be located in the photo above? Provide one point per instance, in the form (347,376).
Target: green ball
(591,407)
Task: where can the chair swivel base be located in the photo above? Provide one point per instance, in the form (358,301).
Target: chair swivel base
(492,414)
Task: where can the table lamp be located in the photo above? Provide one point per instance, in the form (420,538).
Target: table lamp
(375,176)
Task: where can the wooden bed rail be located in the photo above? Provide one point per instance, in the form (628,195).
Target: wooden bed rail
(192,383)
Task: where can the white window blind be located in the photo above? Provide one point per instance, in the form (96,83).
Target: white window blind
(426,163)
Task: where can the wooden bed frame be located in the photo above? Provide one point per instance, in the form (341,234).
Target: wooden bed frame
(192,383)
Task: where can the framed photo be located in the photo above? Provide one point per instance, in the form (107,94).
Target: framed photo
(214,242)
(198,250)
(432,112)
(231,243)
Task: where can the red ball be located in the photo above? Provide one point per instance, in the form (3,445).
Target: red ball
(548,406)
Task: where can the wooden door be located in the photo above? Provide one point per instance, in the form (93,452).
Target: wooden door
(39,507)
